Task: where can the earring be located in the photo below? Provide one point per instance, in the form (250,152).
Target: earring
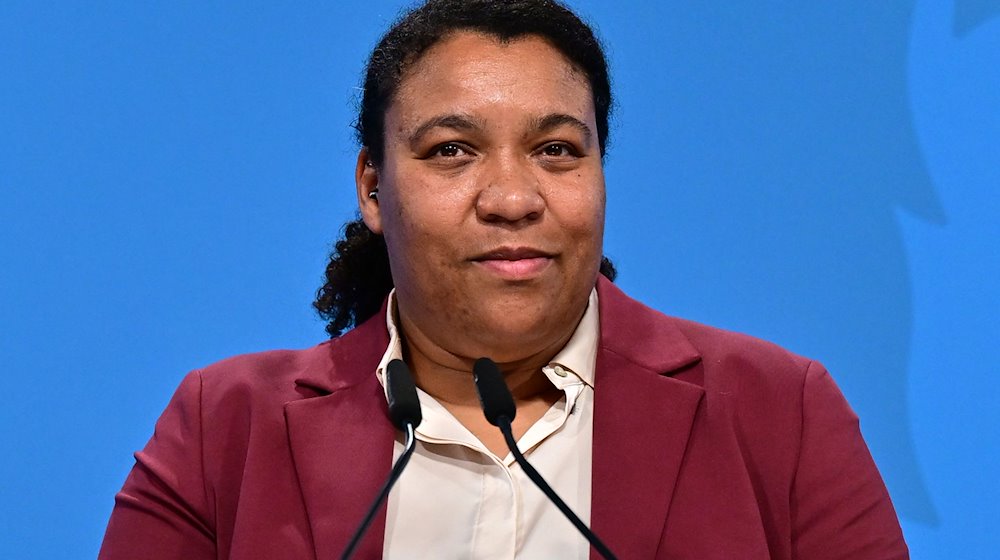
(373,194)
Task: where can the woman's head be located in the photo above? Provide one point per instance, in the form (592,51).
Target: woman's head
(359,275)
(490,198)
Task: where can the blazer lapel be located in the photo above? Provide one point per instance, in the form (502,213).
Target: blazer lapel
(341,441)
(642,421)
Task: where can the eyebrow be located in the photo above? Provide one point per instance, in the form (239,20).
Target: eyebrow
(453,121)
(555,120)
(467,122)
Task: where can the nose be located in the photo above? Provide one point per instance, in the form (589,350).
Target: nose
(510,192)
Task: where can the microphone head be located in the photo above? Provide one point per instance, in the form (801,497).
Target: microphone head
(404,405)
(494,395)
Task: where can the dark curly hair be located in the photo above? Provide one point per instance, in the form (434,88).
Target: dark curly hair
(358,276)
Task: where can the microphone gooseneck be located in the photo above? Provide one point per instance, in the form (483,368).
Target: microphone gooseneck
(404,411)
(498,406)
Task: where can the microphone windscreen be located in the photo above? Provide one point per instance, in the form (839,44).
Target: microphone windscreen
(493,392)
(404,405)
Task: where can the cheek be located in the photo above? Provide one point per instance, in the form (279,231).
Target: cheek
(583,214)
(427,217)
(587,230)
(421,241)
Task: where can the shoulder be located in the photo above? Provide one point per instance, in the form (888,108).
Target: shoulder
(689,350)
(735,358)
(280,376)
(271,369)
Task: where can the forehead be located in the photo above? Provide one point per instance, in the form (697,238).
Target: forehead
(468,71)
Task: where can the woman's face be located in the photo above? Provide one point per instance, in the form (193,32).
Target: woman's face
(490,197)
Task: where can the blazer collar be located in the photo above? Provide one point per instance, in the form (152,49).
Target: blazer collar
(342,368)
(642,421)
(624,324)
(649,338)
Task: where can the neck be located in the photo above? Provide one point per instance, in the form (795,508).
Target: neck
(447,376)
(450,381)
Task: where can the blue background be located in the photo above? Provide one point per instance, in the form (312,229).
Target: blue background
(823,175)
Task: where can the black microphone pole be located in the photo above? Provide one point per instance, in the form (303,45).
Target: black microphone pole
(404,411)
(498,406)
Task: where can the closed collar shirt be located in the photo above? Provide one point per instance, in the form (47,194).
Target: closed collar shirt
(456,499)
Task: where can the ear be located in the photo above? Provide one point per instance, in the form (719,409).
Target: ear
(366,180)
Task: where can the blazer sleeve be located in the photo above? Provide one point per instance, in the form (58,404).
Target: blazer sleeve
(164,510)
(839,504)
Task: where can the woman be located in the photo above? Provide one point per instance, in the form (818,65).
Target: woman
(481,193)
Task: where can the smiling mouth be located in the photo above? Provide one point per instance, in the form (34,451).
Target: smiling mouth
(515,263)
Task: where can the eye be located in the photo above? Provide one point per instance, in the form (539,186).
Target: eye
(449,150)
(559,150)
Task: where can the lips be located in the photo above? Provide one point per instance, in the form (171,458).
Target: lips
(515,263)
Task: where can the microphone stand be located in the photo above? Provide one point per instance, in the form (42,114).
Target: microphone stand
(508,436)
(410,443)
(498,406)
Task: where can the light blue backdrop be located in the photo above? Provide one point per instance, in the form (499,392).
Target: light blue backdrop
(820,174)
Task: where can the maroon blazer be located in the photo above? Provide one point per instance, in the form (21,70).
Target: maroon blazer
(707,445)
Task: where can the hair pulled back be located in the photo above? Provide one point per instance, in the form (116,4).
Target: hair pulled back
(358,276)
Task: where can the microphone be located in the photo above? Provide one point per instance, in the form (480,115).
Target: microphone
(498,406)
(404,411)
(404,405)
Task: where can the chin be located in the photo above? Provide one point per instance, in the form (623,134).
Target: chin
(516,337)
